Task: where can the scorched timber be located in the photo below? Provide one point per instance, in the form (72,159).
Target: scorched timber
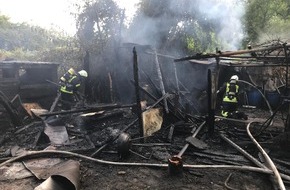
(90,109)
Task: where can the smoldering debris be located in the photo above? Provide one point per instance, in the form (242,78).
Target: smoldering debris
(112,134)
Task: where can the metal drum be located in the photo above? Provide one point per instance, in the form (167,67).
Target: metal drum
(124,144)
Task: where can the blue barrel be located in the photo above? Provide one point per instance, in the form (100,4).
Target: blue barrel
(273,98)
(254,98)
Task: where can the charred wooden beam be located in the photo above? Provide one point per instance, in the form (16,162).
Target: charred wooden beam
(137,93)
(11,110)
(166,95)
(37,138)
(55,102)
(170,134)
(178,114)
(210,118)
(230,53)
(158,68)
(287,65)
(88,109)
(233,158)
(27,126)
(148,80)
(262,64)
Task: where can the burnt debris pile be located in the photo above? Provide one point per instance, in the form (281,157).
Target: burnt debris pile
(162,122)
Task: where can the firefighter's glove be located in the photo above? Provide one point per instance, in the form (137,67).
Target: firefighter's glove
(69,85)
(61,83)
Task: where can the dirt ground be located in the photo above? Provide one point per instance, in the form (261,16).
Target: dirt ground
(100,129)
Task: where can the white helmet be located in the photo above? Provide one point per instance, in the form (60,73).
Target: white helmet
(235,77)
(83,73)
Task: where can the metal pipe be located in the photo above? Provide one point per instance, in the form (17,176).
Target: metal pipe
(268,159)
(193,135)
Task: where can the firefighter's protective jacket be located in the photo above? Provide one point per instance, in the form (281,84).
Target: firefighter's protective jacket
(70,82)
(231,92)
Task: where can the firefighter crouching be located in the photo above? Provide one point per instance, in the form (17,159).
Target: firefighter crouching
(230,99)
(70,84)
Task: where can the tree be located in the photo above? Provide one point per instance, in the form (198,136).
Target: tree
(266,19)
(98,23)
(21,41)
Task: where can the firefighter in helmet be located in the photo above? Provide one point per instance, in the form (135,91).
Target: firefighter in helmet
(230,99)
(70,83)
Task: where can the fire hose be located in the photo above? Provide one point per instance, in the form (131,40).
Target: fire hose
(270,109)
(269,121)
(268,159)
(32,154)
(250,157)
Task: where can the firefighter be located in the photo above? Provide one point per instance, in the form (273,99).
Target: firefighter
(70,83)
(230,99)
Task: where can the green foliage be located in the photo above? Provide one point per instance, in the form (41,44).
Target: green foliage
(267,20)
(24,42)
(99,22)
(172,26)
(175,26)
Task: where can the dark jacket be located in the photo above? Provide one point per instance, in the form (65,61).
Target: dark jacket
(70,82)
(230,91)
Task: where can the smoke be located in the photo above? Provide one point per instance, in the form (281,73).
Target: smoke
(228,14)
(162,24)
(188,16)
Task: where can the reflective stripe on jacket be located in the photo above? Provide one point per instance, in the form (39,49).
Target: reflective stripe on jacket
(231,93)
(71,85)
(68,75)
(225,113)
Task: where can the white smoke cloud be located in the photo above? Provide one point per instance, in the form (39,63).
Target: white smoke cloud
(229,14)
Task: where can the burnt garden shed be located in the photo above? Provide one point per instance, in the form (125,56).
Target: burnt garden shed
(29,80)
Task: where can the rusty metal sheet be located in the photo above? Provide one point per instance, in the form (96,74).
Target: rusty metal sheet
(42,168)
(65,176)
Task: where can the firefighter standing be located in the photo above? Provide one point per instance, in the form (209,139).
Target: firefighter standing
(70,83)
(230,99)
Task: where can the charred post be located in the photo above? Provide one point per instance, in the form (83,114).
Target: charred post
(210,118)
(136,82)
(161,82)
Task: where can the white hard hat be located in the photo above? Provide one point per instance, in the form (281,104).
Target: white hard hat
(83,73)
(235,77)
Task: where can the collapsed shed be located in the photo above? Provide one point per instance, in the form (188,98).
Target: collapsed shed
(29,79)
(24,83)
(173,136)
